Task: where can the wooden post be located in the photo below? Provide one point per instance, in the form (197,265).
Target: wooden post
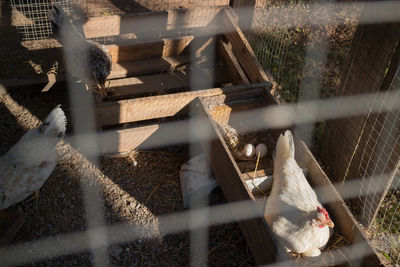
(241,47)
(348,139)
(245,11)
(235,71)
(378,152)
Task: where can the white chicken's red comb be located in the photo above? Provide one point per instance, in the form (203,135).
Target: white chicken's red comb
(321,209)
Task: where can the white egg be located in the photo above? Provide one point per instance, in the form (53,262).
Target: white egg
(249,150)
(262,149)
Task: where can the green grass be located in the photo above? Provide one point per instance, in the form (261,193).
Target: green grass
(387,226)
(286,67)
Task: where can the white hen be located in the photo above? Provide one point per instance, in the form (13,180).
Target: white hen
(28,164)
(292,210)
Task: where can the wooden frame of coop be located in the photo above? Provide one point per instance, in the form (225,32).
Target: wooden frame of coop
(150,90)
(246,84)
(145,79)
(235,182)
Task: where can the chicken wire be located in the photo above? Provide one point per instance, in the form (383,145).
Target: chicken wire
(100,235)
(281,31)
(30,17)
(365,151)
(386,228)
(383,139)
(270,48)
(270,44)
(381,198)
(369,144)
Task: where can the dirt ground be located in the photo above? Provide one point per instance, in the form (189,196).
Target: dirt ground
(136,189)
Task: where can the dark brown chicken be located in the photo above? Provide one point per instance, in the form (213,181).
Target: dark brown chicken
(86,60)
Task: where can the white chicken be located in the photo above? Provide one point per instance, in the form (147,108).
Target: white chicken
(28,164)
(293,211)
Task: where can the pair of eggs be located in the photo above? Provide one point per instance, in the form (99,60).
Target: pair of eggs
(249,150)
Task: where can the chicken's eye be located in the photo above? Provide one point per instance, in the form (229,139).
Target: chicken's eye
(318,220)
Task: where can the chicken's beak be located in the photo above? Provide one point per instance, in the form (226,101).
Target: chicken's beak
(102,86)
(330,224)
(105,87)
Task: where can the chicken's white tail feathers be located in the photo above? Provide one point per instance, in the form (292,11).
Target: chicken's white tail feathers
(55,123)
(285,145)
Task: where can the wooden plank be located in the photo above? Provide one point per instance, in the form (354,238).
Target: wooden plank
(256,231)
(241,47)
(117,141)
(52,80)
(162,83)
(124,88)
(338,210)
(237,98)
(256,113)
(143,23)
(175,46)
(139,51)
(245,11)
(144,137)
(204,41)
(116,112)
(263,173)
(236,72)
(147,66)
(118,70)
(168,4)
(137,67)
(250,175)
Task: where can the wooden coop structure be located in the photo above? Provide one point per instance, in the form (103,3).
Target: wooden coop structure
(150,92)
(198,64)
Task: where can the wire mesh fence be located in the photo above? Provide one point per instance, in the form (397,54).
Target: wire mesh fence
(385,136)
(377,143)
(281,32)
(385,229)
(30,17)
(289,55)
(382,209)
(270,47)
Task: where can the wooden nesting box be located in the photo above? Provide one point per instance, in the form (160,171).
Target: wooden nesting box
(245,112)
(161,62)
